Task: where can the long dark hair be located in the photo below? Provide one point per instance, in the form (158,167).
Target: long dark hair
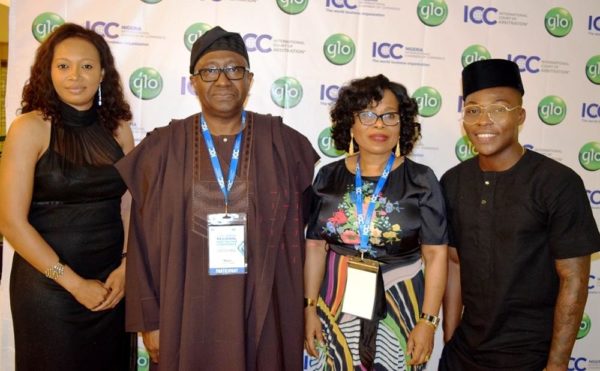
(358,95)
(39,93)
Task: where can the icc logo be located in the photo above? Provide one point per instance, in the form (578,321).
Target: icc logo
(591,110)
(340,4)
(329,93)
(479,15)
(103,28)
(387,50)
(526,62)
(594,196)
(594,23)
(256,42)
(577,364)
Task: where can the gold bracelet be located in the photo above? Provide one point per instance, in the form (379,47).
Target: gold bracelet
(310,302)
(55,271)
(430,319)
(428,323)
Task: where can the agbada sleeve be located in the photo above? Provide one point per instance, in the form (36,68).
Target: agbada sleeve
(141,170)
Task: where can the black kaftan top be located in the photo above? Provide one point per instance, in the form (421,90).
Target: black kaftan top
(509,228)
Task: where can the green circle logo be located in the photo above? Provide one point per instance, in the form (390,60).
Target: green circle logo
(432,12)
(339,49)
(193,32)
(464,149)
(552,110)
(474,53)
(44,24)
(292,6)
(584,327)
(589,156)
(327,145)
(558,22)
(286,92)
(429,101)
(143,359)
(592,69)
(146,83)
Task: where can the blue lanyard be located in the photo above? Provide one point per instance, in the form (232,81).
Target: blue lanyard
(364,222)
(235,156)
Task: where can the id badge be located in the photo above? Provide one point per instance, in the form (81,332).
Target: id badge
(361,287)
(227,244)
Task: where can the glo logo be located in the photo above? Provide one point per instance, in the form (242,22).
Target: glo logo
(558,22)
(525,62)
(193,32)
(286,92)
(340,4)
(464,149)
(327,145)
(44,24)
(474,53)
(479,15)
(143,360)
(103,28)
(593,23)
(432,12)
(585,326)
(592,69)
(339,49)
(146,83)
(292,6)
(429,101)
(386,50)
(329,93)
(552,110)
(256,42)
(589,156)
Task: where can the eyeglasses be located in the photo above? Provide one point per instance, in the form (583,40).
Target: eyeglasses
(497,113)
(213,73)
(368,118)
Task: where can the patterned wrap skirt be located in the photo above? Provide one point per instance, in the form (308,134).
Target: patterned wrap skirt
(404,291)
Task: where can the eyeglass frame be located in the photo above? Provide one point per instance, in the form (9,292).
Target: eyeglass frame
(484,109)
(221,70)
(377,117)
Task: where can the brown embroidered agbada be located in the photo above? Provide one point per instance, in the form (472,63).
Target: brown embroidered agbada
(237,322)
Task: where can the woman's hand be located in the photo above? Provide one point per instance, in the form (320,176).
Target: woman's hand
(312,331)
(115,284)
(90,293)
(420,343)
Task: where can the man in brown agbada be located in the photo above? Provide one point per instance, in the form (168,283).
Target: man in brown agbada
(191,320)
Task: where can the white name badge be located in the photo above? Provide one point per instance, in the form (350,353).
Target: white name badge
(361,287)
(227,244)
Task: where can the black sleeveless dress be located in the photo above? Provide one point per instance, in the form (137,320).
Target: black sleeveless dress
(76,209)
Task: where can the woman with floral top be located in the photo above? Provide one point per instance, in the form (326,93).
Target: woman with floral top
(379,208)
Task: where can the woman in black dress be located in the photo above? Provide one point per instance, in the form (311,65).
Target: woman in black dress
(61,208)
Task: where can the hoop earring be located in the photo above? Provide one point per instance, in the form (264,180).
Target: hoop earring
(100,95)
(397,153)
(351,149)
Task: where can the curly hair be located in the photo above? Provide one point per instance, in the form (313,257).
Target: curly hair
(358,95)
(39,93)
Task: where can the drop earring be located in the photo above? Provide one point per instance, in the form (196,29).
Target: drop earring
(397,153)
(351,149)
(100,95)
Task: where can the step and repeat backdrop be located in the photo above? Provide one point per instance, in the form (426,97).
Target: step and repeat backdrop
(302,51)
